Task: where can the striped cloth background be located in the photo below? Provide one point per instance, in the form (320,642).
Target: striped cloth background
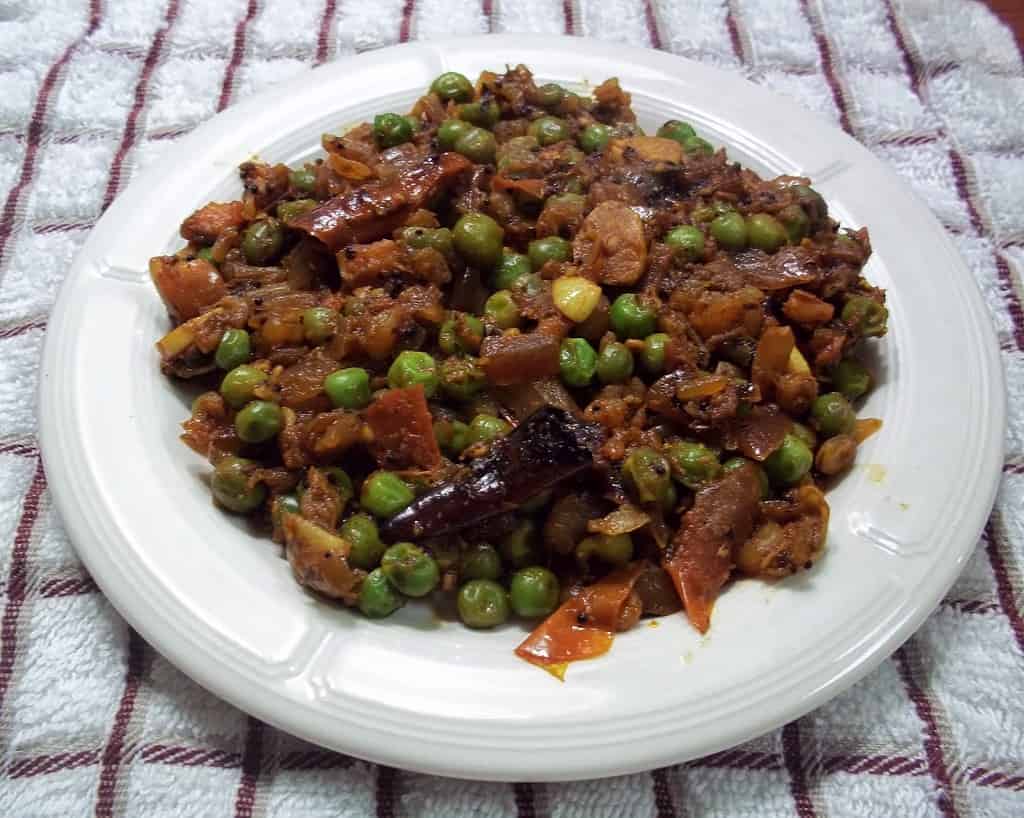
(94,722)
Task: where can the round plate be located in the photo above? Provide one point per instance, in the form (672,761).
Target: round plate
(414,691)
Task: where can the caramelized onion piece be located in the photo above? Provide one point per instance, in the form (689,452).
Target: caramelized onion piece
(761,432)
(187,286)
(585,625)
(376,209)
(623,520)
(208,222)
(319,559)
(792,541)
(522,400)
(864,428)
(771,360)
(700,559)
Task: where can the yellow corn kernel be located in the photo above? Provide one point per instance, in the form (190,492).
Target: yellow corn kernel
(575,297)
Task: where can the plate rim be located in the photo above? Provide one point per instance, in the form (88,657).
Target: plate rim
(250,695)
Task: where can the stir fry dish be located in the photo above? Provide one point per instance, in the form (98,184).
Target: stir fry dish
(511,350)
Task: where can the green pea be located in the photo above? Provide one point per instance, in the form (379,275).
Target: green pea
(534,592)
(502,309)
(528,286)
(477,145)
(289,211)
(460,333)
(436,238)
(354,305)
(230,485)
(391,129)
(790,462)
(485,427)
(851,378)
(233,349)
(240,384)
(670,498)
(653,354)
(693,464)
(384,494)
(550,248)
(611,549)
(477,238)
(734,463)
(410,569)
(805,433)
(480,561)
(794,219)
(765,232)
(482,603)
(339,478)
(284,504)
(730,231)
(677,130)
(631,318)
(519,546)
(206,254)
(549,129)
(593,138)
(577,362)
(833,414)
(461,378)
(452,85)
(484,113)
(646,472)
(813,204)
(412,367)
(703,213)
(510,267)
(686,241)
(517,153)
(414,123)
(361,532)
(452,436)
(259,421)
(262,241)
(377,596)
(550,95)
(348,388)
(449,131)
(319,324)
(573,186)
(303,179)
(695,146)
(866,316)
(614,363)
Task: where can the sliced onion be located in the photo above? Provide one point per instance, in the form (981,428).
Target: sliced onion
(703,386)
(865,427)
(623,520)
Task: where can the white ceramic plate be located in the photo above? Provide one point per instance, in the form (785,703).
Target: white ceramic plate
(416,693)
